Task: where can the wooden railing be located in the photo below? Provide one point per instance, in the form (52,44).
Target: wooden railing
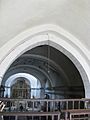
(42,106)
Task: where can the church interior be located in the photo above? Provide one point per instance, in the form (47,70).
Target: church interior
(43,70)
(40,73)
(44,60)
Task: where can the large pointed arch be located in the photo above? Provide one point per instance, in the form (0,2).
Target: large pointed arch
(58,38)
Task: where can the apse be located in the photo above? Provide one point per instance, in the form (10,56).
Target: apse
(30,80)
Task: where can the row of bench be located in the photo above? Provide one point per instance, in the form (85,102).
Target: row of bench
(74,114)
(39,114)
(69,114)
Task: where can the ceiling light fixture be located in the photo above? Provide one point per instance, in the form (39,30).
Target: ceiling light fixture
(48,55)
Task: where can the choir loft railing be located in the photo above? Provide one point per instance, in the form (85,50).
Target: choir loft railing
(41,106)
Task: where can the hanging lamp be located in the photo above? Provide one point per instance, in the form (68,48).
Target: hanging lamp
(48,55)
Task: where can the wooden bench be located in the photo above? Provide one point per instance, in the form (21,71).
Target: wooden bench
(75,112)
(52,114)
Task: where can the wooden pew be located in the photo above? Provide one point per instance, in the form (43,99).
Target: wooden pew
(75,112)
(52,114)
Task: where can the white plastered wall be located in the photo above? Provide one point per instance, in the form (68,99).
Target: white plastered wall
(57,38)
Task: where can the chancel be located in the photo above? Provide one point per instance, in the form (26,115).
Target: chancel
(20,89)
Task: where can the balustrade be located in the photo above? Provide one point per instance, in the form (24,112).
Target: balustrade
(41,106)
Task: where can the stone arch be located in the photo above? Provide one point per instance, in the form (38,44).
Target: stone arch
(57,38)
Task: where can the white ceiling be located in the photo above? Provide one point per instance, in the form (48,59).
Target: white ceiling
(17,16)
